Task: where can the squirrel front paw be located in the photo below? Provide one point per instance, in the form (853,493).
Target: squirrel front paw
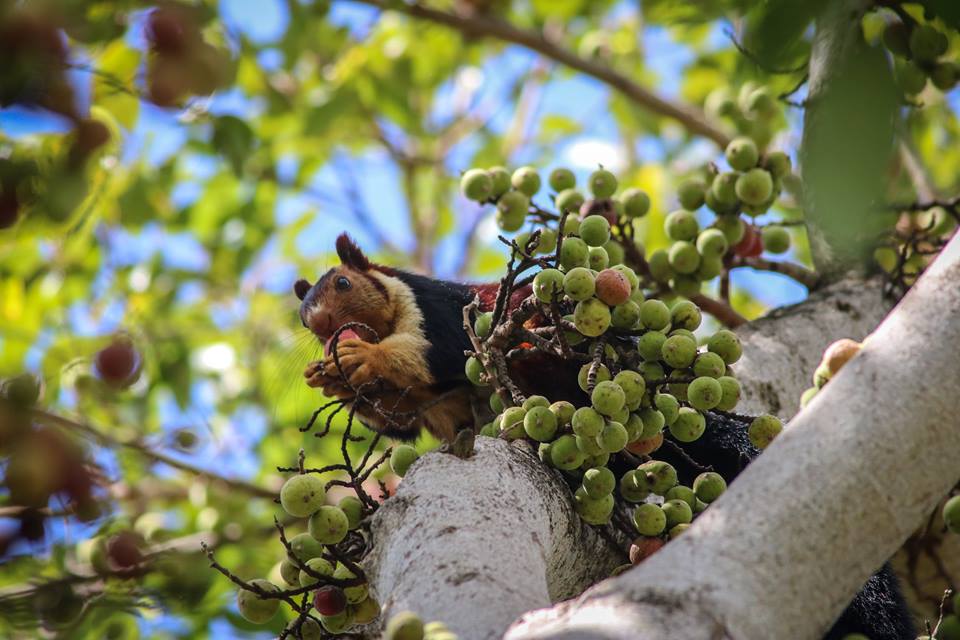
(359,361)
(332,385)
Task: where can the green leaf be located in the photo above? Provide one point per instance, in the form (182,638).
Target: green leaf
(113,84)
(775,30)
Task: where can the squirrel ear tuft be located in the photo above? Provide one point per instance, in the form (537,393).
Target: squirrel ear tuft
(301,288)
(350,254)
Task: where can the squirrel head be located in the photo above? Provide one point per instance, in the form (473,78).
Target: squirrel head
(351,292)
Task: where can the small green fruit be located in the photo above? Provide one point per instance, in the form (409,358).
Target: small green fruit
(636,203)
(659,264)
(684,258)
(290,573)
(540,424)
(709,486)
(595,231)
(650,344)
(679,351)
(681,492)
(681,225)
(763,430)
(512,208)
(709,364)
(712,242)
(775,239)
(352,506)
(654,315)
(732,227)
(476,184)
(685,315)
(599,482)
(602,374)
(587,422)
(305,547)
(500,181)
(317,565)
(625,316)
(483,325)
(564,411)
(329,525)
(742,154)
(401,458)
(691,194)
(475,371)
(511,422)
(254,608)
(602,184)
(632,384)
(927,44)
(565,454)
(730,390)
(951,514)
(592,317)
(668,406)
(677,512)
(526,180)
(579,284)
(573,253)
(649,519)
(653,421)
(613,438)
(778,164)
(302,494)
(807,396)
(570,200)
(755,187)
(608,398)
(724,189)
(656,476)
(689,425)
(405,625)
(593,511)
(561,178)
(725,344)
(704,393)
(597,258)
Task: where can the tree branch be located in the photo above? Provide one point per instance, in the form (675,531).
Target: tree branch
(150,454)
(720,310)
(807,277)
(694,120)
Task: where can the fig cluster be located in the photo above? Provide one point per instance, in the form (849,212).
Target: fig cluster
(309,563)
(919,48)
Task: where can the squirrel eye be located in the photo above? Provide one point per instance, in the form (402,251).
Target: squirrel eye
(343,283)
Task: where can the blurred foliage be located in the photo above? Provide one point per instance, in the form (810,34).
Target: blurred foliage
(180,173)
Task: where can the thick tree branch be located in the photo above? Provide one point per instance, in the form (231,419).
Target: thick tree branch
(724,578)
(720,310)
(475,25)
(807,277)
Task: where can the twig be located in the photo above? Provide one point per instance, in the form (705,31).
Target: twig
(720,310)
(807,277)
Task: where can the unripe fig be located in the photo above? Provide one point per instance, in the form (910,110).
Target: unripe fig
(592,511)
(526,180)
(650,344)
(476,184)
(681,225)
(365,612)
(732,227)
(712,242)
(254,608)
(540,424)
(761,103)
(742,154)
(807,396)
(587,422)
(564,411)
(310,629)
(602,183)
(548,242)
(896,38)
(401,458)
(720,103)
(775,239)
(649,519)
(608,398)
(679,351)
(668,406)
(579,284)
(336,624)
(677,512)
(592,317)
(305,547)
(763,430)
(475,371)
(709,364)
(839,353)
(724,189)
(730,390)
(317,565)
(821,376)
(708,486)
(570,200)
(654,315)
(573,253)
(681,492)
(632,384)
(754,187)
(595,231)
(405,625)
(685,315)
(656,476)
(691,193)
(951,514)
(564,453)
(356,593)
(949,628)
(636,203)
(597,258)
(778,164)
(302,494)
(659,264)
(651,371)
(684,258)
(704,393)
(945,75)
(652,421)
(561,178)
(613,438)
(910,78)
(626,315)
(679,529)
(599,482)
(534,401)
(689,425)
(21,391)
(602,374)
(483,325)
(512,208)
(329,525)
(353,508)
(725,344)
(499,181)
(590,446)
(511,422)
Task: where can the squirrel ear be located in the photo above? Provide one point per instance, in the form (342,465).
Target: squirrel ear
(350,254)
(301,287)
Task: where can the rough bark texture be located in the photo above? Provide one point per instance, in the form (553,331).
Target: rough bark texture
(476,543)
(835,514)
(782,349)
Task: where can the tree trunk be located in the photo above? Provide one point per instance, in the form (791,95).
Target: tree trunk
(498,533)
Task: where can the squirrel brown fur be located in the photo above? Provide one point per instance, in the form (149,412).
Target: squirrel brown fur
(418,363)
